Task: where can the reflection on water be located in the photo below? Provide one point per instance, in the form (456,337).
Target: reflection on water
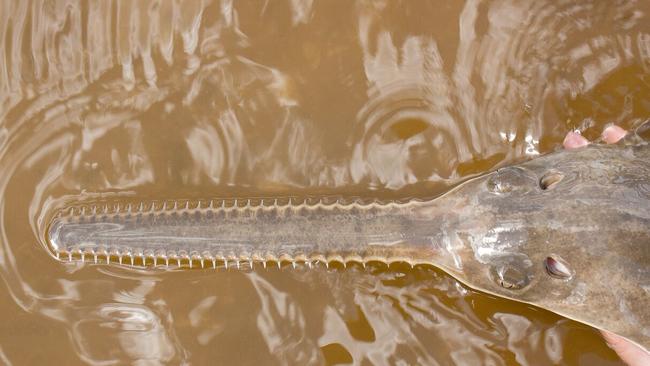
(388,99)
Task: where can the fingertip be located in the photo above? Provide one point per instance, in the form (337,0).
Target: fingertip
(574,140)
(613,134)
(612,339)
(629,352)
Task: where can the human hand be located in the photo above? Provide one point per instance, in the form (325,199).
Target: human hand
(611,134)
(629,352)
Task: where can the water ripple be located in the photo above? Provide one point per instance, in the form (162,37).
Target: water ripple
(382,99)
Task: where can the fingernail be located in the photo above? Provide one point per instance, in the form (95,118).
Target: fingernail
(609,338)
(574,140)
(613,134)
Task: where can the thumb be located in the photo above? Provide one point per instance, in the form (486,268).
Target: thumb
(629,352)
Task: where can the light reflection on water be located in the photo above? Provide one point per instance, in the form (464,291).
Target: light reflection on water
(388,99)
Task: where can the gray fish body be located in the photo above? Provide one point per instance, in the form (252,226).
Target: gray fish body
(568,232)
(594,222)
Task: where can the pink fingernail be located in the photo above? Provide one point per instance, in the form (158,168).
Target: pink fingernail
(574,140)
(612,134)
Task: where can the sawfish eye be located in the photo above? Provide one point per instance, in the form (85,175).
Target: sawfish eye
(506,180)
(510,276)
(557,267)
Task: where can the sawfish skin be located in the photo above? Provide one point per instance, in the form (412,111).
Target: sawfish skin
(568,232)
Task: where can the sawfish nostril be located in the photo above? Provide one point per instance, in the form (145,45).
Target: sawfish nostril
(550,180)
(557,267)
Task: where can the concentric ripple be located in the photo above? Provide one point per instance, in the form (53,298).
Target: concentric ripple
(162,100)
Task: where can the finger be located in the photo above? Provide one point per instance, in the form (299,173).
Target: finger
(612,134)
(574,140)
(629,352)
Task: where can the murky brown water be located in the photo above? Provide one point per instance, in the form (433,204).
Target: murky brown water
(370,99)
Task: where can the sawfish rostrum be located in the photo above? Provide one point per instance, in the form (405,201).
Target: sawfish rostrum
(568,232)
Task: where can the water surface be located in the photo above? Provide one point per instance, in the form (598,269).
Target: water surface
(362,100)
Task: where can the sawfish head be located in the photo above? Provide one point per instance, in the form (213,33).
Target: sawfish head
(568,232)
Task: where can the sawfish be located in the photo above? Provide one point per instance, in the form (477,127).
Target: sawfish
(568,231)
